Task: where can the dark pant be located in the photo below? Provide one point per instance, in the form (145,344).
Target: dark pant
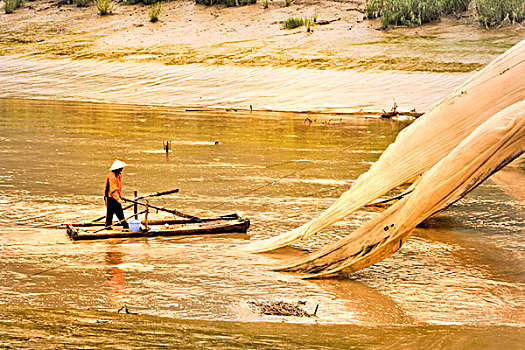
(114,207)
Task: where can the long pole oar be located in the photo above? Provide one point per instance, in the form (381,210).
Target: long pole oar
(154,194)
(172,211)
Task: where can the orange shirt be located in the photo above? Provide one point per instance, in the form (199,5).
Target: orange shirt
(113,186)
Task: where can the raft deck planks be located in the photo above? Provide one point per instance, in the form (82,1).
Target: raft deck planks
(223,224)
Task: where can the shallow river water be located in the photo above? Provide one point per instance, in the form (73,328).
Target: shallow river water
(196,85)
(463,267)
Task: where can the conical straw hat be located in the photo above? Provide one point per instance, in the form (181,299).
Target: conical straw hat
(117,164)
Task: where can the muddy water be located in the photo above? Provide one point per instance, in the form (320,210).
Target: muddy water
(464,267)
(282,89)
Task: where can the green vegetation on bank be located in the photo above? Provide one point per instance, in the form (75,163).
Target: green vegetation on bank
(295,22)
(154,12)
(11,5)
(455,6)
(411,12)
(104,7)
(292,22)
(315,15)
(495,12)
(416,12)
(308,22)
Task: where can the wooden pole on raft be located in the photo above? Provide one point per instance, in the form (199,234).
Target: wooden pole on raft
(135,206)
(157,194)
(146,216)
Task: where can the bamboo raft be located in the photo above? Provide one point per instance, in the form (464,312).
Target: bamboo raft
(175,227)
(183,224)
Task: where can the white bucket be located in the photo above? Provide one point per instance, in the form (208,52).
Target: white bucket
(134,225)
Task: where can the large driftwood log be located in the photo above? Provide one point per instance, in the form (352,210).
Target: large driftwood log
(489,148)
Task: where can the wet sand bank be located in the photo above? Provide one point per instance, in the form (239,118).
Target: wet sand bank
(39,328)
(239,58)
(250,36)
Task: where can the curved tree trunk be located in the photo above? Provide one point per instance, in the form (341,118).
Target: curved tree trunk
(489,148)
(424,143)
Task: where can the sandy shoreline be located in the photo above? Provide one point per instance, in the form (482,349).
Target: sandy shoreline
(39,328)
(250,36)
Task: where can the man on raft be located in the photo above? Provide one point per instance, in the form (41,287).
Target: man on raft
(113,194)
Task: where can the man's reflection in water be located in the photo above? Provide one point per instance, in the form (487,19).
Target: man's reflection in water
(115,278)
